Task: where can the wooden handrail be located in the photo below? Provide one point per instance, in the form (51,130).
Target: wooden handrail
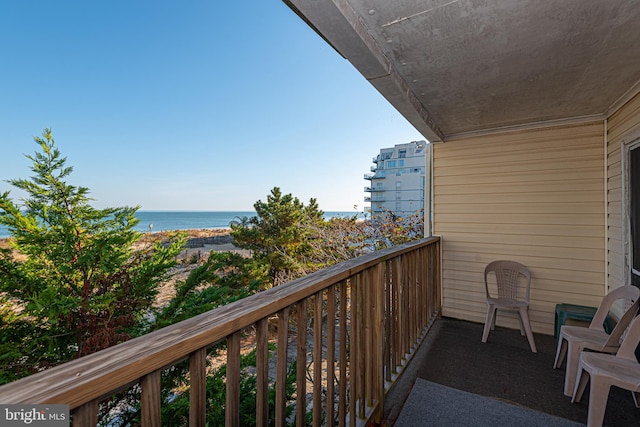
(368,312)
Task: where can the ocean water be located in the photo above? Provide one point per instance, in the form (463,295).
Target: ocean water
(188,220)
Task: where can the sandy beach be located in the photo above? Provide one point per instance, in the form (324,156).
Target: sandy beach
(200,243)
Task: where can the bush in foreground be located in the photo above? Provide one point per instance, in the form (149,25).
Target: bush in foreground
(71,283)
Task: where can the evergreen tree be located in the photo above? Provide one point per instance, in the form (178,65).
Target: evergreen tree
(71,283)
(279,236)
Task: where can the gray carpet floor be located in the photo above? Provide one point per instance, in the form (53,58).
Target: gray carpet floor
(431,404)
(505,369)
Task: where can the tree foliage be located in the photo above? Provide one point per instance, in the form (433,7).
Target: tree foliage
(289,239)
(279,236)
(71,283)
(390,229)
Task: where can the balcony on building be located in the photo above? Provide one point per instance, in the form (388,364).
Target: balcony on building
(533,149)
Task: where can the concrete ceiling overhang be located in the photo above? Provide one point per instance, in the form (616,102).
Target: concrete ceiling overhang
(461,67)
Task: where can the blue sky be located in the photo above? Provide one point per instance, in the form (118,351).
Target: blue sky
(190,105)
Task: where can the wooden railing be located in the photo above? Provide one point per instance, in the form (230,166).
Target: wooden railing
(354,325)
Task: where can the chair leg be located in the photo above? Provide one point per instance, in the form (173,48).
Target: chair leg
(598,397)
(582,378)
(522,327)
(491,316)
(561,352)
(524,318)
(493,321)
(571,369)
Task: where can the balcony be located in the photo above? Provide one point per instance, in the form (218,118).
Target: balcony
(352,329)
(377,188)
(370,329)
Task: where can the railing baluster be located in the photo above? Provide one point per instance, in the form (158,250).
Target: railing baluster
(262,373)
(232,409)
(388,334)
(344,340)
(401,309)
(420,264)
(331,348)
(378,344)
(394,315)
(151,395)
(317,360)
(354,359)
(410,279)
(86,415)
(198,388)
(281,367)
(301,371)
(406,327)
(367,348)
(361,372)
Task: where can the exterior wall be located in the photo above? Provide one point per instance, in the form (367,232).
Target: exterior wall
(621,126)
(534,196)
(398,182)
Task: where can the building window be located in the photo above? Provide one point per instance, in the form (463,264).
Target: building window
(391,163)
(402,154)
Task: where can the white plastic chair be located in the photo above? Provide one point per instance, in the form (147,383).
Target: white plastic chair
(621,370)
(514,282)
(573,339)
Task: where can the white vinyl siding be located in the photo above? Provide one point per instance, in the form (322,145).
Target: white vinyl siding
(621,124)
(534,196)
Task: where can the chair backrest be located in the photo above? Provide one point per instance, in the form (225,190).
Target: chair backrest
(628,293)
(631,340)
(507,278)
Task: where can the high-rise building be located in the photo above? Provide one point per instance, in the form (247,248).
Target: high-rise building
(397,180)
